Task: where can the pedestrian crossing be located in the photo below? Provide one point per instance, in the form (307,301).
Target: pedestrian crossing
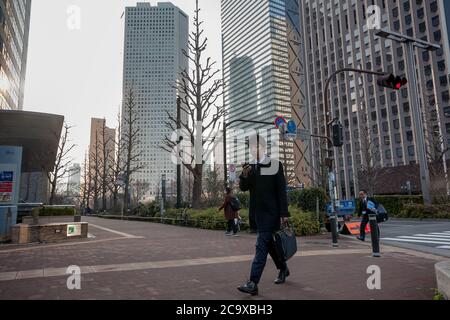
(440,240)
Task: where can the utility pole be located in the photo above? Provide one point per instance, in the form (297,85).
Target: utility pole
(410,44)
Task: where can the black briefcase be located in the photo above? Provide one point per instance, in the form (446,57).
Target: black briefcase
(286,242)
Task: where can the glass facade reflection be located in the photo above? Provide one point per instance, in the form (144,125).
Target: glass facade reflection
(14,32)
(261,68)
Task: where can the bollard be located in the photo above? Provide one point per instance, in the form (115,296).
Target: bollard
(334,233)
(374,235)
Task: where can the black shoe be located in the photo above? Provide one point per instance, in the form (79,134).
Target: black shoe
(361,238)
(282,276)
(250,287)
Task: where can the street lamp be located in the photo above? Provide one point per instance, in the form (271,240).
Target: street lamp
(411,43)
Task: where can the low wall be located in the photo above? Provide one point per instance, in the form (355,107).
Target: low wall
(52,232)
(443,278)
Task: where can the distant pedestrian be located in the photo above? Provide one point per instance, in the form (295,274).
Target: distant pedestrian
(364,212)
(231,214)
(268,210)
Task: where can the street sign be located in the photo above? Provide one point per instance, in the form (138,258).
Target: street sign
(291,127)
(279,121)
(73,230)
(303,134)
(232,173)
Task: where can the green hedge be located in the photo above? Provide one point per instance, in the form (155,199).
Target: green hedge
(304,223)
(395,204)
(306,199)
(53,212)
(420,211)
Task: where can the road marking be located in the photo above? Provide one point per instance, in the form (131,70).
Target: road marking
(126,235)
(424,238)
(45,247)
(418,241)
(444,235)
(444,247)
(57,272)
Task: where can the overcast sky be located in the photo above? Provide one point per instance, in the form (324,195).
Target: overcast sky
(78,72)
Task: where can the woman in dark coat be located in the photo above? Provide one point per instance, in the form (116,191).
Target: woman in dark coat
(230,214)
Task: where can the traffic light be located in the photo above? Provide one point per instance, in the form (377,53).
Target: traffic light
(338,135)
(392,82)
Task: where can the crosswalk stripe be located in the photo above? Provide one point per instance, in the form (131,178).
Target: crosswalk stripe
(424,238)
(432,235)
(418,241)
(444,247)
(440,234)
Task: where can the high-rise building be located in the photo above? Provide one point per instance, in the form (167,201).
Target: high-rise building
(262,67)
(378,125)
(14,32)
(154,39)
(73,183)
(96,143)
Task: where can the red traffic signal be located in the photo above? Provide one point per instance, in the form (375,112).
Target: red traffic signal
(392,82)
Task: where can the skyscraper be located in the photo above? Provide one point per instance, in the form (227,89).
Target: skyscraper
(14,32)
(261,43)
(378,126)
(154,39)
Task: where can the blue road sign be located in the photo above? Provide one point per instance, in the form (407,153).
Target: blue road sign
(292,127)
(344,207)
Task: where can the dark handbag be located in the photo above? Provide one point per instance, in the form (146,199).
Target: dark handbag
(286,242)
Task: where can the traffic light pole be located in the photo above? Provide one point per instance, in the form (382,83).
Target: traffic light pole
(410,43)
(332,176)
(418,124)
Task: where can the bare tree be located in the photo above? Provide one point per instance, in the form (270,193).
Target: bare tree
(62,163)
(213,189)
(105,163)
(199,92)
(95,170)
(130,142)
(117,165)
(140,188)
(319,175)
(436,152)
(85,181)
(370,154)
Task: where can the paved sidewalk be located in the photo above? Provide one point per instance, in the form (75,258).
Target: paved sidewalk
(138,260)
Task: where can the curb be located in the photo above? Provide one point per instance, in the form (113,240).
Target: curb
(443,278)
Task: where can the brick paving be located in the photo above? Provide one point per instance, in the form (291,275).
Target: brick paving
(169,262)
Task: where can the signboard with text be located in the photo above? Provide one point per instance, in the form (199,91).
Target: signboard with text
(10,166)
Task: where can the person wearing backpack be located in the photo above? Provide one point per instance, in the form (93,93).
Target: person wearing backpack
(231,208)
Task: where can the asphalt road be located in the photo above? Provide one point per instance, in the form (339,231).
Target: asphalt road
(430,236)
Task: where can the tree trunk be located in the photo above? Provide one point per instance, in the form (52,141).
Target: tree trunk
(197,188)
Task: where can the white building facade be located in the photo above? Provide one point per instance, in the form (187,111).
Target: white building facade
(154,39)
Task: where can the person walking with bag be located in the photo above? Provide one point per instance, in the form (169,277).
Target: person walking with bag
(230,213)
(364,211)
(268,210)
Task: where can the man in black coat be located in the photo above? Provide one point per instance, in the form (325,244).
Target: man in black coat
(267,212)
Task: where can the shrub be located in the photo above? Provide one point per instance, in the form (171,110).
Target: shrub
(395,204)
(244,198)
(56,211)
(420,211)
(304,223)
(306,199)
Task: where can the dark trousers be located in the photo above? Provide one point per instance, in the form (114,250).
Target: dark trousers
(231,226)
(265,245)
(364,222)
